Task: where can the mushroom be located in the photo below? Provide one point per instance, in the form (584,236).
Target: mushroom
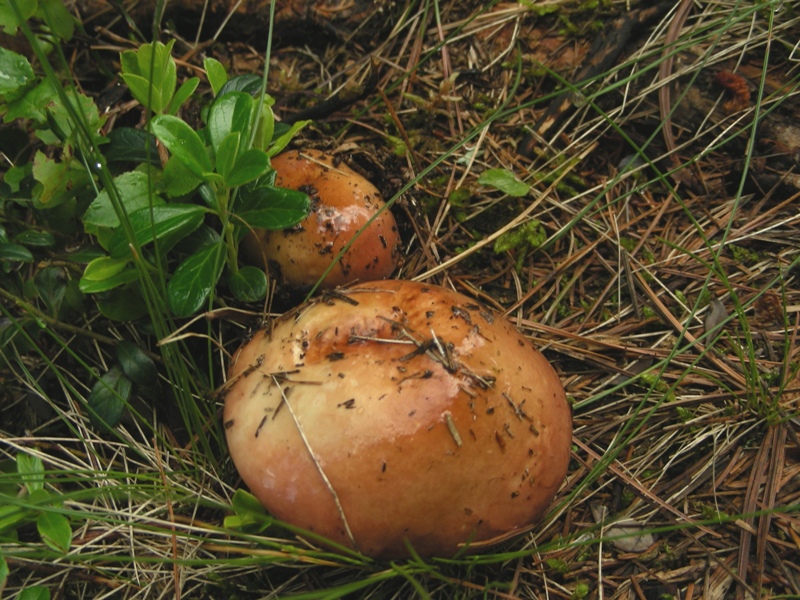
(342,202)
(396,414)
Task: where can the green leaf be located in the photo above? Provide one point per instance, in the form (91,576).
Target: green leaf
(133,189)
(58,181)
(31,468)
(35,592)
(266,126)
(250,165)
(249,513)
(37,239)
(247,83)
(183,142)
(505,181)
(244,502)
(167,223)
(3,572)
(230,113)
(133,361)
(122,304)
(16,75)
(269,207)
(182,95)
(108,398)
(13,517)
(150,74)
(8,18)
(217,76)
(61,122)
(32,105)
(126,144)
(177,180)
(55,530)
(226,154)
(142,91)
(51,282)
(16,175)
(194,279)
(249,284)
(15,253)
(105,273)
(283,140)
(58,18)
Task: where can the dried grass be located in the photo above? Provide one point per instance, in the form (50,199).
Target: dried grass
(685,424)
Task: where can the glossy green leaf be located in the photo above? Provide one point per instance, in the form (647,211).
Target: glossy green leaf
(108,398)
(269,207)
(194,279)
(132,145)
(226,154)
(151,74)
(96,287)
(38,239)
(182,95)
(146,94)
(248,284)
(200,238)
(183,142)
(100,270)
(168,223)
(249,513)
(217,76)
(135,193)
(136,364)
(55,530)
(230,113)
(247,83)
(250,165)
(266,127)
(16,75)
(283,140)
(177,180)
(505,181)
(10,252)
(31,469)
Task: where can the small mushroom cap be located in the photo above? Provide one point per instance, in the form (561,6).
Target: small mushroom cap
(342,203)
(395,412)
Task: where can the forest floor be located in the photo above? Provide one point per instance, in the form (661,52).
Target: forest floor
(650,247)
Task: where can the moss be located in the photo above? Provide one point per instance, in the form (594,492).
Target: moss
(743,255)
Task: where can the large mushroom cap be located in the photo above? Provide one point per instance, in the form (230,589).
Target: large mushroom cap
(342,202)
(395,412)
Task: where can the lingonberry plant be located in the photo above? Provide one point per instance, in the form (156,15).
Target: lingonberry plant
(133,223)
(221,171)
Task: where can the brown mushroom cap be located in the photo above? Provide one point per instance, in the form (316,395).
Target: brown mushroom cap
(342,203)
(397,411)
